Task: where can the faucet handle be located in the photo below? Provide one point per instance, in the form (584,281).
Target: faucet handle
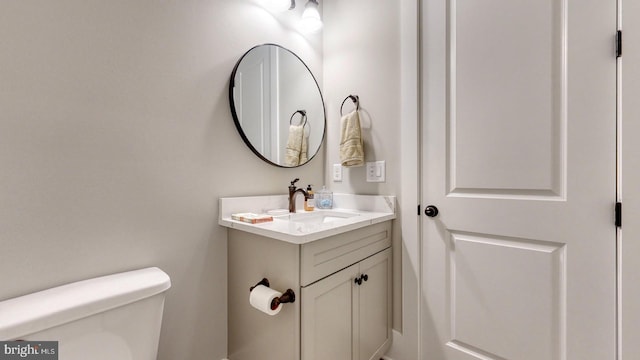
(294,181)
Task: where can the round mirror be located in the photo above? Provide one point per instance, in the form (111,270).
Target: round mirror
(277,106)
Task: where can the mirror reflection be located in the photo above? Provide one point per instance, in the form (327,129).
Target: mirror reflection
(277,106)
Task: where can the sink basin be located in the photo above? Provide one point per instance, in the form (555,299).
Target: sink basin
(320,217)
(308,222)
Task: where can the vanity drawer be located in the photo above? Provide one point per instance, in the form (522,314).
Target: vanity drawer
(325,257)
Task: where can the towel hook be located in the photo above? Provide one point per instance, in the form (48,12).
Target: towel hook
(354,98)
(303,118)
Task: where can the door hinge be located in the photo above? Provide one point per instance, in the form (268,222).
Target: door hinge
(618,214)
(619,43)
(418,209)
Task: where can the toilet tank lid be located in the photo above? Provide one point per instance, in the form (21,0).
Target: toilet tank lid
(38,311)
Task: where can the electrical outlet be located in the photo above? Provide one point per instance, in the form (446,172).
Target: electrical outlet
(376,171)
(337,172)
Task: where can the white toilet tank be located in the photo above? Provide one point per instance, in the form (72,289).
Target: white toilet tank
(114,317)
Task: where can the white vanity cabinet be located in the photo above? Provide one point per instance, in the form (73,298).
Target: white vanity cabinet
(333,316)
(347,315)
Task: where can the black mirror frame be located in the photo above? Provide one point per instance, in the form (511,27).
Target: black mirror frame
(234,113)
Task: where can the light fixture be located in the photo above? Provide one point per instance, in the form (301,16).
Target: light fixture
(311,17)
(310,21)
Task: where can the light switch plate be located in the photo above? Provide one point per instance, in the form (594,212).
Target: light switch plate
(337,172)
(376,171)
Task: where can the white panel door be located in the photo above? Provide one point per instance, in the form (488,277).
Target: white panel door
(629,180)
(519,156)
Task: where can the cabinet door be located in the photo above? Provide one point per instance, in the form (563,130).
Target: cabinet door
(327,317)
(373,328)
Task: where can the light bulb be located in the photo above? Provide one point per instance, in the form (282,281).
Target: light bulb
(311,21)
(278,5)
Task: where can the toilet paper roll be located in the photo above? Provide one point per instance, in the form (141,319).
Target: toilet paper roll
(261,298)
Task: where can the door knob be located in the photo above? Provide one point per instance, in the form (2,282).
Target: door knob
(431,211)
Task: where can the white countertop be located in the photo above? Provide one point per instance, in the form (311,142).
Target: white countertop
(358,211)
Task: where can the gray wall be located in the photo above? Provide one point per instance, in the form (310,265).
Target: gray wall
(116,141)
(362,56)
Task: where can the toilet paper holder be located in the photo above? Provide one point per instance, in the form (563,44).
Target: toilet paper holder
(287,297)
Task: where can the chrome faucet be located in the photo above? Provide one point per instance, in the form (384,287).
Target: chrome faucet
(292,195)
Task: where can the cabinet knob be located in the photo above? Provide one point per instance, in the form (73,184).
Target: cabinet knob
(363,277)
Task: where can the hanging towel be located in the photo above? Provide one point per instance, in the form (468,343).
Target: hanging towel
(351,144)
(294,145)
(304,148)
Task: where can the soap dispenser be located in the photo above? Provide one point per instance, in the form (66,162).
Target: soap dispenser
(309,200)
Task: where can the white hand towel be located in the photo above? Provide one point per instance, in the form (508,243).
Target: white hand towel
(304,148)
(294,145)
(351,144)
